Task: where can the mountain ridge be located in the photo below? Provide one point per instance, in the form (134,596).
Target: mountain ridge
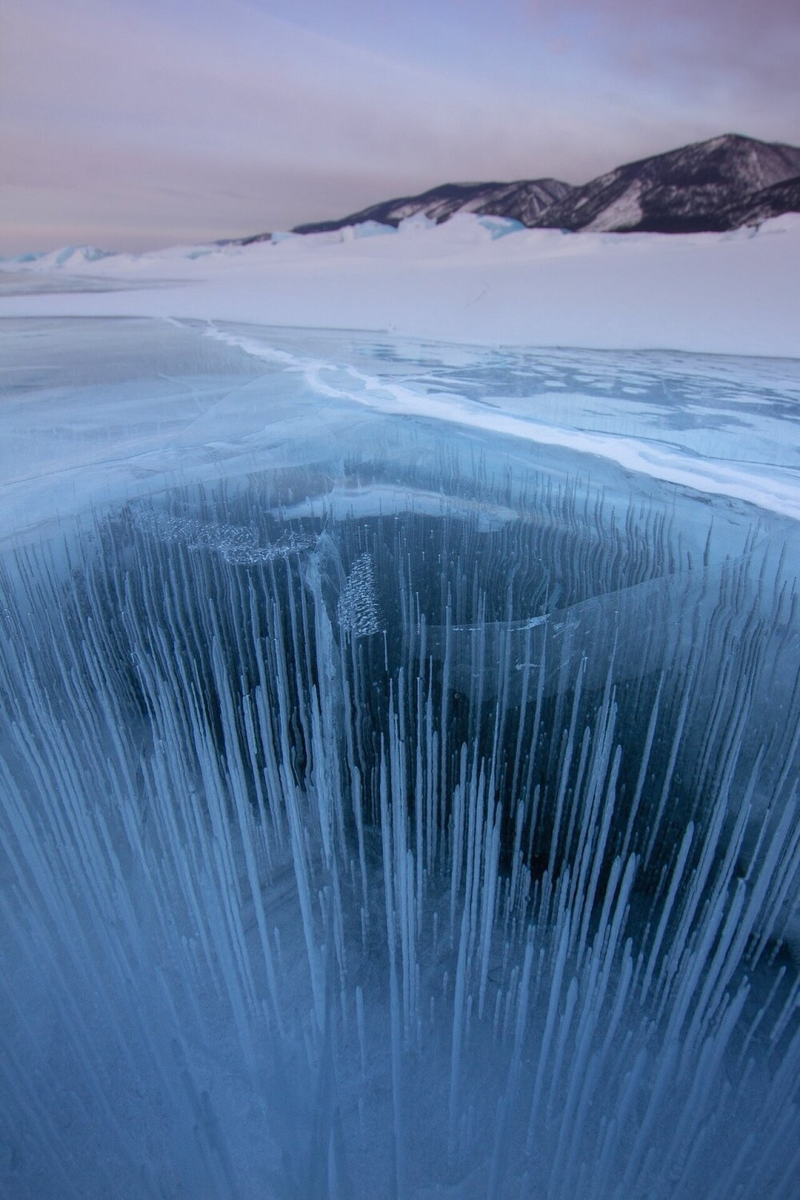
(720,184)
(699,188)
(523,200)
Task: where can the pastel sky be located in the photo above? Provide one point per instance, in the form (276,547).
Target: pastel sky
(132,124)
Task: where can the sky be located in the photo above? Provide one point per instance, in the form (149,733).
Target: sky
(134,124)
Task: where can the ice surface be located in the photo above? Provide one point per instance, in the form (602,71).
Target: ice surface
(95,410)
(398,768)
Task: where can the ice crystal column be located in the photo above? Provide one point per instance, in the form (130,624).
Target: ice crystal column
(373,855)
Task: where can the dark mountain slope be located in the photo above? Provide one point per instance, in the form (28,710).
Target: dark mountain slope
(523,201)
(696,188)
(771,201)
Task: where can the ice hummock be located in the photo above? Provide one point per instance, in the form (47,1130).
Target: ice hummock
(393,805)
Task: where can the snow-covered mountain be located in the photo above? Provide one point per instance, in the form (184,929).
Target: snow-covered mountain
(522,201)
(709,186)
(705,187)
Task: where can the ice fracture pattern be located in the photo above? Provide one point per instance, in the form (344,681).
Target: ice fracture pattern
(424,824)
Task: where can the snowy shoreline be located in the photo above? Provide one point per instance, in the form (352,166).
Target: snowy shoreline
(471,280)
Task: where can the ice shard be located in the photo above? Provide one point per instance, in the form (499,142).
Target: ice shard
(423,822)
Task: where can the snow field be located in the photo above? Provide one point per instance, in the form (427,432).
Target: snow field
(732,293)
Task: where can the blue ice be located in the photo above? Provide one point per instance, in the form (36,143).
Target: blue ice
(398,795)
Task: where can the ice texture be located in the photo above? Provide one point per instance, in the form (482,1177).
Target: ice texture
(392,805)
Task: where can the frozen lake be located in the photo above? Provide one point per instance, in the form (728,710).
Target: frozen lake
(100,409)
(399,767)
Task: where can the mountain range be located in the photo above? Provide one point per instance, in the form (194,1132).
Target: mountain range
(523,201)
(710,186)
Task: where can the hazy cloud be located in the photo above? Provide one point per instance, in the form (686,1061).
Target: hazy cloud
(747,48)
(152,123)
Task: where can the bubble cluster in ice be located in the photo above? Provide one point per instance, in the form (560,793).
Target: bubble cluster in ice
(357,607)
(235,543)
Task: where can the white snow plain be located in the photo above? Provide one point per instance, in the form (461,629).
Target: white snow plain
(479,280)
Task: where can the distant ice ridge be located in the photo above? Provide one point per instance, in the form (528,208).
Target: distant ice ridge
(421,856)
(73,257)
(67,256)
